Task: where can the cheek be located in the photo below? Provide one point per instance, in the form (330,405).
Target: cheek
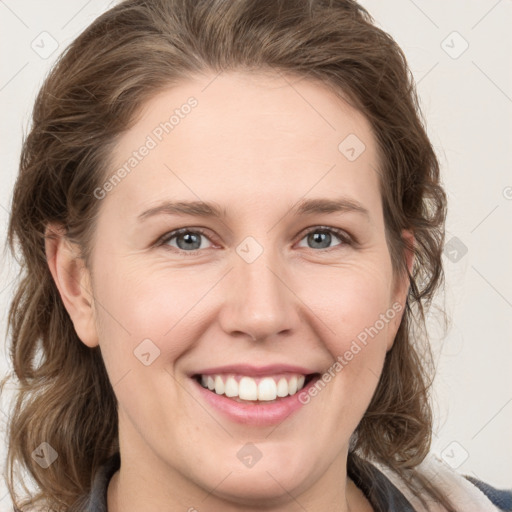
(147,317)
(137,304)
(349,299)
(359,320)
(345,305)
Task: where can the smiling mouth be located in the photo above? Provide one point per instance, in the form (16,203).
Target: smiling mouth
(242,388)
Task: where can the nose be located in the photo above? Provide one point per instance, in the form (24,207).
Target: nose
(260,302)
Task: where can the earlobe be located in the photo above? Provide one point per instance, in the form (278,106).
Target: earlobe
(72,279)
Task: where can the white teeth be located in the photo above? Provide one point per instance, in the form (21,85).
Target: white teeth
(219,385)
(292,385)
(264,389)
(282,387)
(267,389)
(231,388)
(247,389)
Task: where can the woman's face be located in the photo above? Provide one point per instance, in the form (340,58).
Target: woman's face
(277,288)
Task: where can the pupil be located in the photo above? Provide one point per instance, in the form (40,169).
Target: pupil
(189,238)
(319,237)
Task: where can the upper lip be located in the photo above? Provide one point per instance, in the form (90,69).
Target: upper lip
(255,371)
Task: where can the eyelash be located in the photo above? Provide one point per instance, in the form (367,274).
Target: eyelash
(165,239)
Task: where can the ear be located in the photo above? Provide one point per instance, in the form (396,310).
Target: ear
(402,284)
(73,281)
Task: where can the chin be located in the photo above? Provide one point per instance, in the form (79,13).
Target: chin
(266,483)
(255,490)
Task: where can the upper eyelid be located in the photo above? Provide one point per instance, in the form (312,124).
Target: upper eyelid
(176,232)
(342,234)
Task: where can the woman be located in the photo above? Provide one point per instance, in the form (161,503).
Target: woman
(231,223)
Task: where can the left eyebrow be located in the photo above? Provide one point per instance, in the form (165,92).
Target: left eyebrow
(339,205)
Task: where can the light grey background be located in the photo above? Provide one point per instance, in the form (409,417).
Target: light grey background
(466,97)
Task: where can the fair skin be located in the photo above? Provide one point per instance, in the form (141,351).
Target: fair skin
(255,148)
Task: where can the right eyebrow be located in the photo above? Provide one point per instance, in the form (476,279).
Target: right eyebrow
(194,208)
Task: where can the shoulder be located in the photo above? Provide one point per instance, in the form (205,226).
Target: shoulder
(96,499)
(501,498)
(467,494)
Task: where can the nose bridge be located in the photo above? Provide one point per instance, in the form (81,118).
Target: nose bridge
(260,303)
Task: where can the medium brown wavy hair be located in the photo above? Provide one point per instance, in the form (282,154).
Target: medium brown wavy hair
(92,95)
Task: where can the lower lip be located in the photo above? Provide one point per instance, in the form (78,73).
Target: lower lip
(256,414)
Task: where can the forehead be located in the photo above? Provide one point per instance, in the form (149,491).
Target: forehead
(251,136)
